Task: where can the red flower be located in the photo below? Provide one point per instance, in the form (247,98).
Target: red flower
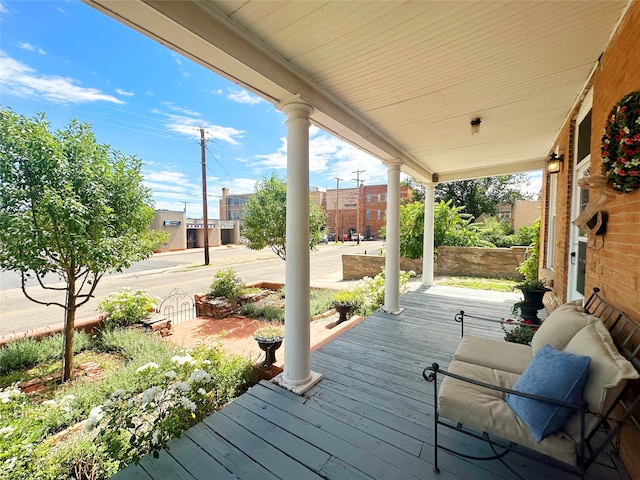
(509,319)
(634,173)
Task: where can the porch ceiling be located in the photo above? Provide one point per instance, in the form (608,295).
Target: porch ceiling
(402,80)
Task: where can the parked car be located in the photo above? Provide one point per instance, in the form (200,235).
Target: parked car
(331,237)
(354,236)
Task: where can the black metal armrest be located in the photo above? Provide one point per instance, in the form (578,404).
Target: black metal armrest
(434,369)
(461,316)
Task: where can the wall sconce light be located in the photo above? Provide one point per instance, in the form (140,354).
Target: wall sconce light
(475,126)
(554,163)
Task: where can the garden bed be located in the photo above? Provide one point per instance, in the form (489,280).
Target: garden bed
(146,382)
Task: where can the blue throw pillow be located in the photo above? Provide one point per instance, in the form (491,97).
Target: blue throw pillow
(551,373)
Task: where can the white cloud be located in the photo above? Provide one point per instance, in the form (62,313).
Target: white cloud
(3,9)
(178,61)
(185,111)
(23,81)
(328,154)
(31,48)
(190,123)
(243,96)
(191,126)
(119,91)
(235,186)
(217,92)
(534,183)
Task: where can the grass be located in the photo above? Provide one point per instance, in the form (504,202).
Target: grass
(271,308)
(15,357)
(494,284)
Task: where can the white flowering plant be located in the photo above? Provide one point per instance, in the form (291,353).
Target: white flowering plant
(125,307)
(196,384)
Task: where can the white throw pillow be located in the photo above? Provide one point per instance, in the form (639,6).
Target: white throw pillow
(559,327)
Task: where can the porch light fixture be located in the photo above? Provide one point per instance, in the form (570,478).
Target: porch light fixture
(475,126)
(554,163)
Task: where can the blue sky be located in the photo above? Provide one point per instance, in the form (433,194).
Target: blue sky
(69,61)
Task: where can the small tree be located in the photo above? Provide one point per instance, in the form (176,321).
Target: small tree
(69,207)
(266,221)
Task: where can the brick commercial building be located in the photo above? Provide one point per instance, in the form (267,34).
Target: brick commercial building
(362,210)
(349,210)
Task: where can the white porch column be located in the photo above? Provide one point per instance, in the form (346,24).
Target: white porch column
(392,259)
(427,251)
(297,375)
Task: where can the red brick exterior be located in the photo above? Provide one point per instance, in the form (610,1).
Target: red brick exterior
(615,267)
(369,199)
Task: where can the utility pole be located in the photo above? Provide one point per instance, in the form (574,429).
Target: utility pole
(338,180)
(357,180)
(205,213)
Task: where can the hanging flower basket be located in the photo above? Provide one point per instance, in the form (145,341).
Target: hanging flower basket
(620,147)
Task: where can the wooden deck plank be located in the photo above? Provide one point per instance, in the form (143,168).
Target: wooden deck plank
(276,461)
(297,448)
(236,461)
(396,457)
(132,473)
(165,466)
(370,418)
(373,423)
(357,456)
(197,461)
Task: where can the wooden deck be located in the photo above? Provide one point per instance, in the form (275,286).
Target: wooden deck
(369,418)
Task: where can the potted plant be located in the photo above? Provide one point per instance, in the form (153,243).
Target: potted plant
(527,311)
(269,338)
(343,302)
(533,291)
(519,333)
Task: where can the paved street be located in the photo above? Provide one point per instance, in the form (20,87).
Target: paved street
(164,272)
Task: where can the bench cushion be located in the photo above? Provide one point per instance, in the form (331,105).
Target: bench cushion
(608,372)
(485,410)
(493,353)
(559,327)
(554,374)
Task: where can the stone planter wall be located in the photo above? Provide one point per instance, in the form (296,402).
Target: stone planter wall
(355,267)
(480,262)
(458,261)
(213,307)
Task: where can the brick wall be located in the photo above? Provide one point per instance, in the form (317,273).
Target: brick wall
(615,266)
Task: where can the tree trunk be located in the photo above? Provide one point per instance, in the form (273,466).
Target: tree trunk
(69,324)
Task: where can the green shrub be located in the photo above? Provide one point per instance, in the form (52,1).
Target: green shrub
(529,267)
(268,312)
(26,426)
(124,308)
(345,297)
(368,294)
(321,300)
(28,352)
(269,332)
(226,284)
